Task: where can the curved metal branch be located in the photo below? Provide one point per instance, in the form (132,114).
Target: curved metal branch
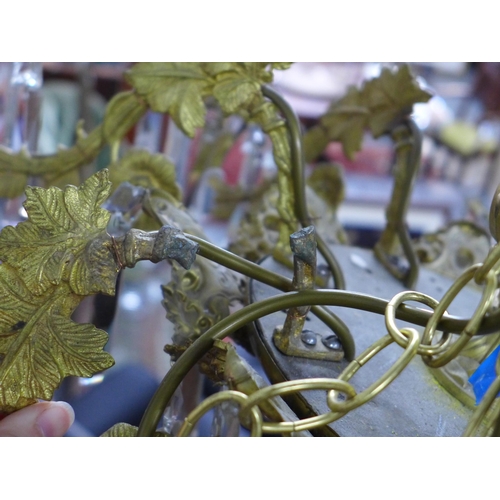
(408,140)
(123,112)
(298,181)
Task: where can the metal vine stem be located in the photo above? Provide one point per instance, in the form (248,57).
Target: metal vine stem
(408,143)
(298,181)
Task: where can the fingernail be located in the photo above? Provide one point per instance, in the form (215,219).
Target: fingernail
(56,420)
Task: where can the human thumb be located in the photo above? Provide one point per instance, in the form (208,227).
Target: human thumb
(47,419)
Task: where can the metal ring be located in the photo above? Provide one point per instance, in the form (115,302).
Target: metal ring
(369,393)
(473,324)
(401,339)
(490,262)
(191,420)
(290,387)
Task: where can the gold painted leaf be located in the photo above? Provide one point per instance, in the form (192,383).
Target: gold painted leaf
(126,430)
(49,263)
(59,226)
(150,171)
(121,430)
(215,68)
(260,71)
(346,120)
(42,348)
(314,142)
(176,88)
(234,91)
(239,85)
(377,106)
(390,96)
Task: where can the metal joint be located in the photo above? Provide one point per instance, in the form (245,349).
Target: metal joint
(290,338)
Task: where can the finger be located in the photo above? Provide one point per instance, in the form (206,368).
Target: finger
(47,419)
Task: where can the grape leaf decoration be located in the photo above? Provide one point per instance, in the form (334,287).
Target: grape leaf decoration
(376,106)
(127,430)
(346,121)
(176,88)
(179,88)
(49,263)
(121,430)
(150,171)
(391,96)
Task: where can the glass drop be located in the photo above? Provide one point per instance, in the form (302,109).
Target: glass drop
(173,416)
(226,422)
(118,225)
(126,198)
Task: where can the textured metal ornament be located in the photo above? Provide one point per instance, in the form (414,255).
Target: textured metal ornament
(70,247)
(196,298)
(50,263)
(453,249)
(126,430)
(179,89)
(255,231)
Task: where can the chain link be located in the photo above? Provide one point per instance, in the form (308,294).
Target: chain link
(363,397)
(293,386)
(390,322)
(216,399)
(470,329)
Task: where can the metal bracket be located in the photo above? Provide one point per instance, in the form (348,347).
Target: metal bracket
(290,338)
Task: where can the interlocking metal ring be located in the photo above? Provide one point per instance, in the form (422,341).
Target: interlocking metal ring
(402,340)
(471,327)
(191,420)
(293,386)
(409,353)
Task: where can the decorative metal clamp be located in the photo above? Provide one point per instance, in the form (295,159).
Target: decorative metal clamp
(291,339)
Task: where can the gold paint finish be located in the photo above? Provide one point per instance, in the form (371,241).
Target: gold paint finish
(50,263)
